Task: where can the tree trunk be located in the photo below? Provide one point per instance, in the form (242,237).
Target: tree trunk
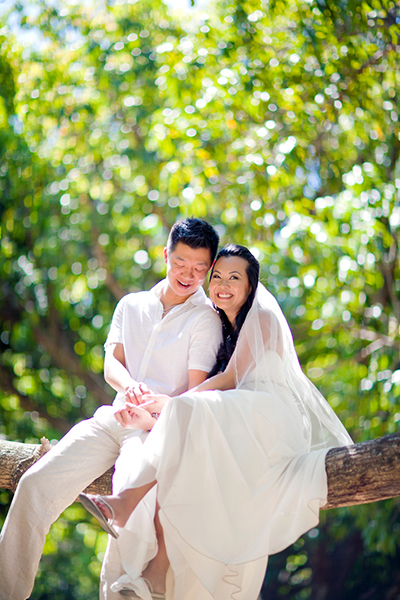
(358,474)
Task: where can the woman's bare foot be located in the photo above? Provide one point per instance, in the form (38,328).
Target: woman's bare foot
(101,510)
(156,579)
(118,507)
(120,512)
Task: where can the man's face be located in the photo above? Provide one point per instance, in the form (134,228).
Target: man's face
(186,268)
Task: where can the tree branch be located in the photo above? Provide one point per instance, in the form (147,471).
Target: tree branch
(16,458)
(358,474)
(50,333)
(58,346)
(364,473)
(379,54)
(102,260)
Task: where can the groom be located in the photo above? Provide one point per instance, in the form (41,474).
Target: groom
(164,340)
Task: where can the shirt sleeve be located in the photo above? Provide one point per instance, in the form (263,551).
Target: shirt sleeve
(115,335)
(205,340)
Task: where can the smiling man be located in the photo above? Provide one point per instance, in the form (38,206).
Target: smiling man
(165,341)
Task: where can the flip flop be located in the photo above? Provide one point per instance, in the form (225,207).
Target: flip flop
(94,510)
(132,594)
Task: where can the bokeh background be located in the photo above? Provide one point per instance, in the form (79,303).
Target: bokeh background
(278,121)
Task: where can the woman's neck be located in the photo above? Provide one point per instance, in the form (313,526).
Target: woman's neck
(232,320)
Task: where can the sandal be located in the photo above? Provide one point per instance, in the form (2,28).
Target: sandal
(132,594)
(91,506)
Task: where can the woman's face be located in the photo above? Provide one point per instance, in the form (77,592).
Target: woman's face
(229,285)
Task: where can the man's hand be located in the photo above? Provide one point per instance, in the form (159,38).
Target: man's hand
(157,402)
(133,417)
(137,393)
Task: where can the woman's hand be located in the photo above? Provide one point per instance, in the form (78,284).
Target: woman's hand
(133,417)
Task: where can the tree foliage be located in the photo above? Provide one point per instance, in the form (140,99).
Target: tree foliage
(276,120)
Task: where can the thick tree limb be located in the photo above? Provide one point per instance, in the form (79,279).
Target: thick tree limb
(364,473)
(359,474)
(16,458)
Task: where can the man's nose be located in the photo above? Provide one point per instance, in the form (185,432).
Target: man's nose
(189,272)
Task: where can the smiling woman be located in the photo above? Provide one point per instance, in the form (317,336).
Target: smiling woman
(229,285)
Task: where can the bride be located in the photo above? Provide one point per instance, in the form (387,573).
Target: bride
(240,460)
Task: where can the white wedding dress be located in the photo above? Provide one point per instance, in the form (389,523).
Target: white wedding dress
(241,473)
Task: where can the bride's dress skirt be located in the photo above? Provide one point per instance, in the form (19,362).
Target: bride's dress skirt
(236,482)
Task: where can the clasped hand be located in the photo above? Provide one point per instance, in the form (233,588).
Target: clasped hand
(134,394)
(133,416)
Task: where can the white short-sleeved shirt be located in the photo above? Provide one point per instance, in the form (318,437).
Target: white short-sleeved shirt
(160,351)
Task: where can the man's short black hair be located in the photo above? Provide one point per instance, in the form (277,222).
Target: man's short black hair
(195,233)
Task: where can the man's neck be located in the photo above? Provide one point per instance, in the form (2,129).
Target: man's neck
(169,299)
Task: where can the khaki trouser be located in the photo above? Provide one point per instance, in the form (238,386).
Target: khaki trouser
(48,488)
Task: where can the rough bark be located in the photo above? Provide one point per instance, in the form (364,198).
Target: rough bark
(364,473)
(358,474)
(16,458)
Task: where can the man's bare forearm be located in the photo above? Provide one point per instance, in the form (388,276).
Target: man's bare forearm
(117,375)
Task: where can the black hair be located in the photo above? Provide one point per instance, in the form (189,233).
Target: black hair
(195,233)
(230,332)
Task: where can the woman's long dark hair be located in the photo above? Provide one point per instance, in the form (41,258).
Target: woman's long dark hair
(230,333)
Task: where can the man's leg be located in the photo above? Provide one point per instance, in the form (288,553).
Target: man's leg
(44,491)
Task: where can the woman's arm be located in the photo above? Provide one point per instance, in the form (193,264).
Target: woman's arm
(221,381)
(196,377)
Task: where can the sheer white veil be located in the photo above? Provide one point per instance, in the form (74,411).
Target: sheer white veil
(265,359)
